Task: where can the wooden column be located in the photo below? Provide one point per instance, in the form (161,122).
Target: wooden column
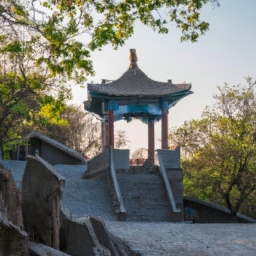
(104,134)
(111,127)
(151,141)
(164,129)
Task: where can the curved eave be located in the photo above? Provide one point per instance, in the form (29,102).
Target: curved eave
(182,94)
(134,83)
(97,94)
(176,98)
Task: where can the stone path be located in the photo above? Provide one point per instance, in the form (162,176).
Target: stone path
(155,239)
(144,196)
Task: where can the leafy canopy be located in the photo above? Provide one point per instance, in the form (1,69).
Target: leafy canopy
(219,150)
(48,32)
(41,55)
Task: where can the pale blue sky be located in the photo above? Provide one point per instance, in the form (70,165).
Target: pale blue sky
(226,53)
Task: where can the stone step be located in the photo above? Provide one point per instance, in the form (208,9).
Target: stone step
(144,196)
(85,197)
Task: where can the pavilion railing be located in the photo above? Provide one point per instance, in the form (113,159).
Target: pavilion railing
(176,214)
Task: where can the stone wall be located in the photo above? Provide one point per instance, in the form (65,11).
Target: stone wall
(54,155)
(206,212)
(42,188)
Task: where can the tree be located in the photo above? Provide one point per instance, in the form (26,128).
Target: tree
(140,153)
(81,131)
(48,42)
(27,81)
(113,22)
(24,108)
(219,150)
(121,140)
(40,51)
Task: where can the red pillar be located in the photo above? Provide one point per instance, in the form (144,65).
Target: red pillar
(111,127)
(104,134)
(164,129)
(151,142)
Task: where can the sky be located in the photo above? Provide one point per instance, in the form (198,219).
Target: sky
(225,54)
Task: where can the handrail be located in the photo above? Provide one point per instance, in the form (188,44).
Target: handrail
(115,183)
(167,185)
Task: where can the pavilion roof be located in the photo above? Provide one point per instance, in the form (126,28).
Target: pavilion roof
(134,82)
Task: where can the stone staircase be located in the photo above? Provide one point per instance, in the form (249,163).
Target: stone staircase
(86,197)
(143,195)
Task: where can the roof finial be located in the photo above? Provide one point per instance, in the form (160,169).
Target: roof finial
(133,58)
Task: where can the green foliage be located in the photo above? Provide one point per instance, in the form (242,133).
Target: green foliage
(12,47)
(108,22)
(140,153)
(81,131)
(219,150)
(121,140)
(40,58)
(21,109)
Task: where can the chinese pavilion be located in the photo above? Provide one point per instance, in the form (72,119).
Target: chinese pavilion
(134,95)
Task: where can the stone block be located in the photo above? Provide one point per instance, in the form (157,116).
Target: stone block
(10,199)
(171,158)
(101,233)
(75,238)
(42,188)
(99,229)
(13,241)
(121,158)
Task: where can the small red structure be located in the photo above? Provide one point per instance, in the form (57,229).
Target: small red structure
(138,161)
